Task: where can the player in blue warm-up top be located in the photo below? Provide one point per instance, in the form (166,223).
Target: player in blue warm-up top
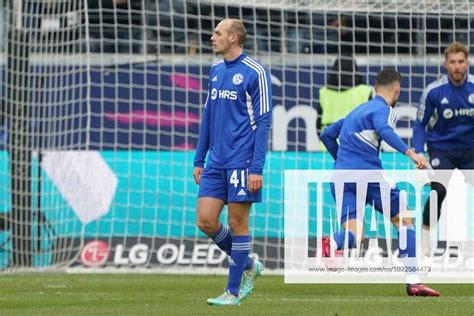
(445,121)
(234,134)
(360,135)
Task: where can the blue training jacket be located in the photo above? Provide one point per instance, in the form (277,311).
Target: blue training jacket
(236,120)
(360,134)
(445,119)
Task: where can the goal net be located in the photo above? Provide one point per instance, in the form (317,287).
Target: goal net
(102,103)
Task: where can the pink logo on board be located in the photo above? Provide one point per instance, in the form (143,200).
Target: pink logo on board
(95,253)
(154,118)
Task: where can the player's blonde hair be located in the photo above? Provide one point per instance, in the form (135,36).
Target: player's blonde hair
(456,47)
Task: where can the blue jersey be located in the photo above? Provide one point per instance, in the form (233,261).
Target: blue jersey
(236,119)
(445,119)
(360,135)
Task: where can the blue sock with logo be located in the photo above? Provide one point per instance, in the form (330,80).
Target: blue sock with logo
(223,239)
(340,237)
(239,254)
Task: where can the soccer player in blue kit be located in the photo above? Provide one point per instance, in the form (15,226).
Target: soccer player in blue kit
(445,121)
(360,134)
(234,134)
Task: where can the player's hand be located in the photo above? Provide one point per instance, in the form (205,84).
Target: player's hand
(420,162)
(255,182)
(418,159)
(197,174)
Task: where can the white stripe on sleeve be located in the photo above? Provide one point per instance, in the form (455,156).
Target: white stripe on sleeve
(262,82)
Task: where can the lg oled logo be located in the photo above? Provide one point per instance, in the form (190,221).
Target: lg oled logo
(140,254)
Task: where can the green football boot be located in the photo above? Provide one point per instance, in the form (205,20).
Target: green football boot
(225,299)
(248,279)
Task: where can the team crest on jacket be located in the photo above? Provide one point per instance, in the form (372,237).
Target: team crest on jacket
(237,79)
(435,162)
(471,98)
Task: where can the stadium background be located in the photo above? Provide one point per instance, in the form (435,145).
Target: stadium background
(142,86)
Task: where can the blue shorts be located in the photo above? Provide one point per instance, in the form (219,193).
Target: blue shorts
(349,200)
(440,159)
(229,185)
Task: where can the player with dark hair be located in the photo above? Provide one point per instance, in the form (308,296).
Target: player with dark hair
(234,133)
(360,135)
(445,122)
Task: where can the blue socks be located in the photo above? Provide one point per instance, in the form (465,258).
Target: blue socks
(407,246)
(340,237)
(407,252)
(223,239)
(239,254)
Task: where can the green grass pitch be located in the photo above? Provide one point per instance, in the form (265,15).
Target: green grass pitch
(150,294)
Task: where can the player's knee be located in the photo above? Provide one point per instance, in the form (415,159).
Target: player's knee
(207,226)
(234,224)
(237,226)
(405,221)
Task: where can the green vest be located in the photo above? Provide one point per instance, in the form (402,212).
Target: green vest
(337,104)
